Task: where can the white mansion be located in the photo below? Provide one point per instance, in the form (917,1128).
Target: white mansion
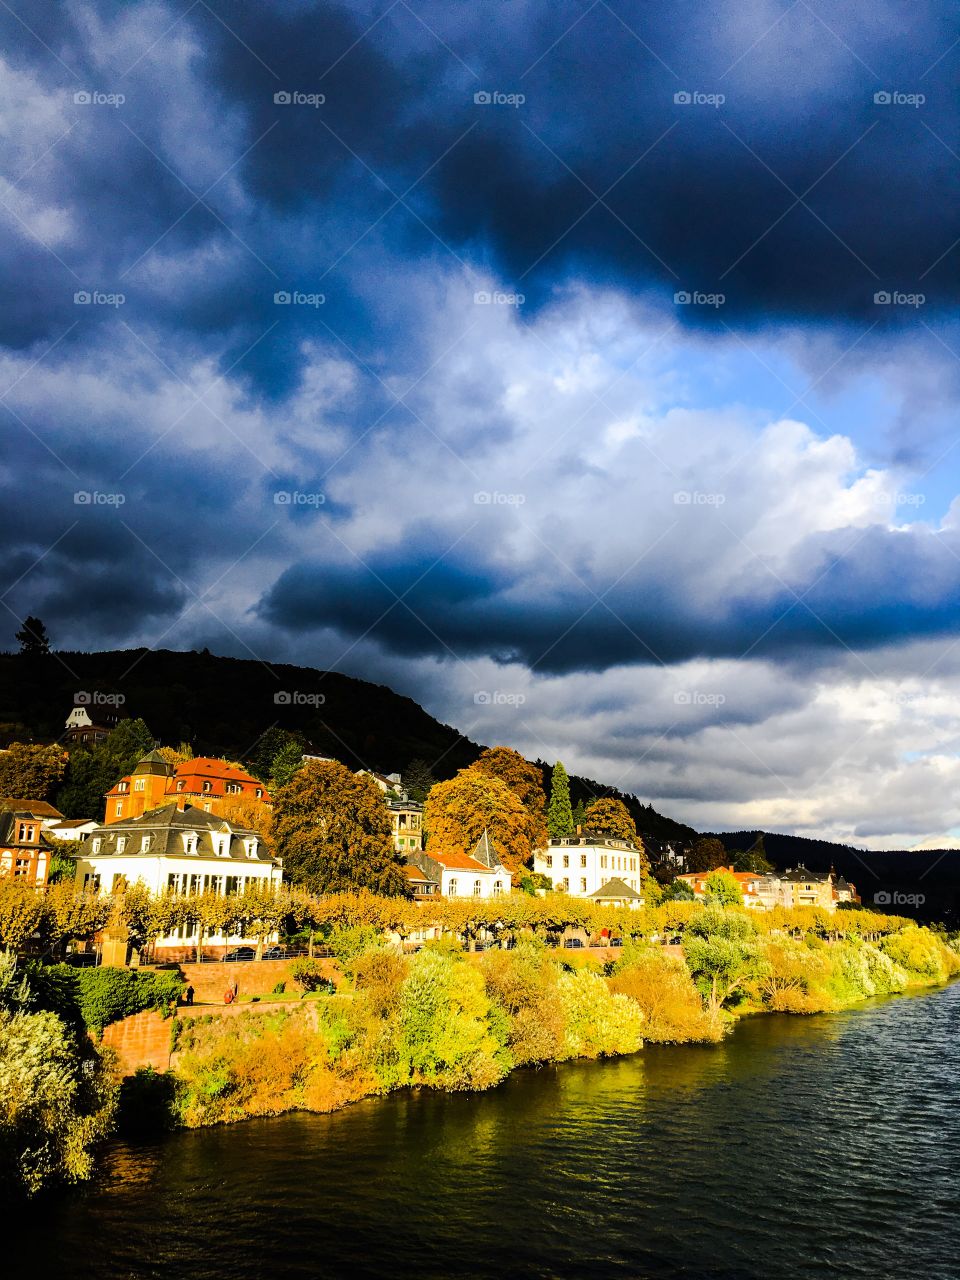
(587,866)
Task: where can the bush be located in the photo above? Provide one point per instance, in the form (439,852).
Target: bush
(97,997)
(662,987)
(917,951)
(598,1022)
(522,983)
(279,989)
(450,1036)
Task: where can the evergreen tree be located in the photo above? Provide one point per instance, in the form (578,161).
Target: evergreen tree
(417,780)
(559,814)
(579,815)
(287,762)
(33,638)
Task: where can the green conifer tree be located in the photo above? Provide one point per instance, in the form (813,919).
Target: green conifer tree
(559,813)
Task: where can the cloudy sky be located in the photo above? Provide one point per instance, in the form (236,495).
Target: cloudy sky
(587,371)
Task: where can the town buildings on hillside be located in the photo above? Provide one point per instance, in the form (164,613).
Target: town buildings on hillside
(205,782)
(586,866)
(798,887)
(81,729)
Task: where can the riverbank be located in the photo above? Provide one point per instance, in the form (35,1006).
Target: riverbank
(451,1022)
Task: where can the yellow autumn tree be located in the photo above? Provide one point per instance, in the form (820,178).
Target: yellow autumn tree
(460,810)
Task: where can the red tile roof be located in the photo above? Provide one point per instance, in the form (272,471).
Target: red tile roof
(457,861)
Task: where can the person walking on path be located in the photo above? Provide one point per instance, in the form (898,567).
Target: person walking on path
(189,995)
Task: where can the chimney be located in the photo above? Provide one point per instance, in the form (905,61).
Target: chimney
(181,802)
(579,829)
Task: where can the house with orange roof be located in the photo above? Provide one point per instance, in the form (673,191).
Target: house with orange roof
(203,782)
(479,874)
(759,891)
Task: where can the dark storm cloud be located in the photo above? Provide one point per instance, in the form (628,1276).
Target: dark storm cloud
(443,602)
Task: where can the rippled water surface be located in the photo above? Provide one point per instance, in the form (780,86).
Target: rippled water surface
(825,1146)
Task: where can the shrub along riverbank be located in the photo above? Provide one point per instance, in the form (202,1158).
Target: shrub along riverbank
(441,1018)
(446,1020)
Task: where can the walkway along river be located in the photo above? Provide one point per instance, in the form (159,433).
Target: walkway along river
(801,1147)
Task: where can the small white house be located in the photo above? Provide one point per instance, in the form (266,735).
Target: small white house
(71,828)
(585,865)
(479,874)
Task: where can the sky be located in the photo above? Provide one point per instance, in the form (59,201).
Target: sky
(586,371)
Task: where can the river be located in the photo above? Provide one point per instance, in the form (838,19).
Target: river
(801,1147)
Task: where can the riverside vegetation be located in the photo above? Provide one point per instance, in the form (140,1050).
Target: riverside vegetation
(441,1018)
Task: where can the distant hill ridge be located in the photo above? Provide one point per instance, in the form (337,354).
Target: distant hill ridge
(224,705)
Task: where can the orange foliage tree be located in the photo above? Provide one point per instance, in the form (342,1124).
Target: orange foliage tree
(334,832)
(525,780)
(459,810)
(611,817)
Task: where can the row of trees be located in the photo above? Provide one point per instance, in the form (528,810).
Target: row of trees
(64,912)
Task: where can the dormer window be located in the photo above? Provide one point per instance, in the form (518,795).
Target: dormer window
(123,786)
(180,784)
(251,847)
(97,844)
(208,786)
(121,843)
(145,844)
(233,788)
(26,833)
(190,842)
(259,793)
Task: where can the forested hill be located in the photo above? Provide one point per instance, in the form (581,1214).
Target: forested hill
(222,706)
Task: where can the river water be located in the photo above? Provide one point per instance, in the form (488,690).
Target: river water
(801,1147)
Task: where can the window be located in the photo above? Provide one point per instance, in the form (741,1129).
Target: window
(452,889)
(97,844)
(233,788)
(121,843)
(566,859)
(119,809)
(583,884)
(251,847)
(549,859)
(91,881)
(208,786)
(633,864)
(139,784)
(26,833)
(565,884)
(123,786)
(583,859)
(190,842)
(259,793)
(145,844)
(180,784)
(477,888)
(497,888)
(603,862)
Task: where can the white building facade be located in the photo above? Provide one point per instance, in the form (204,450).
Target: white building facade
(583,865)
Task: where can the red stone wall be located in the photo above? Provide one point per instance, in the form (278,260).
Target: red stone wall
(254,977)
(142,1040)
